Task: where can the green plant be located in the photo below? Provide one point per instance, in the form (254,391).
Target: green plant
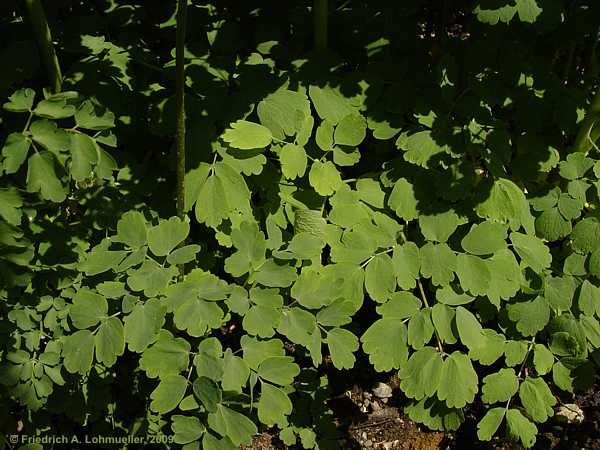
(433,220)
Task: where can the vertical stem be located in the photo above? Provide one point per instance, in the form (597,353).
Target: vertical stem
(587,130)
(320,19)
(41,30)
(180,105)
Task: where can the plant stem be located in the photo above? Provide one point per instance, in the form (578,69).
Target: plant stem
(42,34)
(320,21)
(180,105)
(424,298)
(589,128)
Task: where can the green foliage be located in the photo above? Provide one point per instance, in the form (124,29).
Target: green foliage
(340,210)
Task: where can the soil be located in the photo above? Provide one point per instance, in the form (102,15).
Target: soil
(372,423)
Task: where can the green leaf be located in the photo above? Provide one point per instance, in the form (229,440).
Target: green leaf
(93,117)
(442,318)
(537,399)
(369,191)
(88,308)
(42,178)
(324,178)
(448,296)
(543,359)
(142,325)
(438,227)
(559,292)
(54,108)
(235,372)
(20,101)
(272,274)
(474,274)
(78,352)
(83,156)
(336,314)
(183,255)
(469,328)
(489,424)
(500,386)
(207,391)
(591,328)
(247,135)
(420,329)
(233,425)
(257,351)
(520,428)
(293,161)
(278,369)
(586,235)
(491,348)
(422,148)
(186,429)
(421,375)
(196,316)
(438,262)
(594,264)
(109,341)
(100,260)
(167,235)
(485,238)
(380,281)
(329,103)
(351,130)
(15,151)
(224,194)
(273,406)
(131,229)
(458,384)
(403,200)
(305,245)
(167,395)
(530,316)
(284,112)
(324,135)
(506,203)
(251,247)
(561,376)
(208,360)
(552,226)
(297,324)
(528,10)
(406,263)
(532,251)
(49,136)
(209,442)
(435,414)
(401,305)
(515,352)
(168,355)
(342,344)
(375,343)
(151,278)
(10,204)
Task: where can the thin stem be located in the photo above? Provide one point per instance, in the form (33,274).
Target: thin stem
(320,20)
(424,298)
(583,141)
(364,264)
(529,348)
(180,105)
(42,34)
(180,112)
